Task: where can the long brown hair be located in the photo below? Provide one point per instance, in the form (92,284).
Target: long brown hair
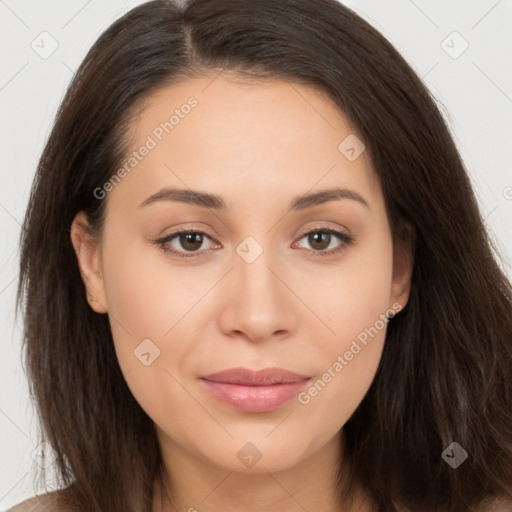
(446,371)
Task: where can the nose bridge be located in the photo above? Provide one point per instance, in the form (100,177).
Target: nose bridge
(258,306)
(253,265)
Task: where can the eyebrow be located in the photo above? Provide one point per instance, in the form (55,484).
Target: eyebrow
(214,202)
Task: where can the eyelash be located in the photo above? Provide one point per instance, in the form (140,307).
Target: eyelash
(346,240)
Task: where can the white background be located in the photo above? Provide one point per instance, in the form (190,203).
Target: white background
(474,92)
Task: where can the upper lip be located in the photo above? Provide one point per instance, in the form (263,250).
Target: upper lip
(248,377)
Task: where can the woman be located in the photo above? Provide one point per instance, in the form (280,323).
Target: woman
(257,278)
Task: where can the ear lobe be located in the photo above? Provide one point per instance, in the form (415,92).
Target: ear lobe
(88,253)
(403,263)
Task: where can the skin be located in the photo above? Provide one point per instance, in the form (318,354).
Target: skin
(258,144)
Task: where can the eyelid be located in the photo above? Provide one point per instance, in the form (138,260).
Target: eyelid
(345,239)
(182,254)
(343,236)
(323,227)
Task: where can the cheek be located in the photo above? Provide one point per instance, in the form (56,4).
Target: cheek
(148,304)
(354,294)
(146,294)
(144,301)
(154,309)
(354,303)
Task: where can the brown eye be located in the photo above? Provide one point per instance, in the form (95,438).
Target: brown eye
(183,242)
(190,241)
(321,239)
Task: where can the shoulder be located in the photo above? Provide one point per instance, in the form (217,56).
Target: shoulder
(50,502)
(488,505)
(496,505)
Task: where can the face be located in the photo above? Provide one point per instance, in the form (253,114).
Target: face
(265,278)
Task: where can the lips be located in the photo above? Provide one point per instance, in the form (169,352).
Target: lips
(254,390)
(247,377)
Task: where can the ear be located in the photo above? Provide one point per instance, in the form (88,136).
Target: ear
(403,262)
(88,253)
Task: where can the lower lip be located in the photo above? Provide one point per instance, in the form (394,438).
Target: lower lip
(254,398)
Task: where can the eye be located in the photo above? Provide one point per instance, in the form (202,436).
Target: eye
(191,241)
(188,240)
(321,238)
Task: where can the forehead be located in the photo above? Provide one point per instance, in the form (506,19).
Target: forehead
(251,135)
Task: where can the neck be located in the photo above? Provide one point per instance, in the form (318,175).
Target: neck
(196,484)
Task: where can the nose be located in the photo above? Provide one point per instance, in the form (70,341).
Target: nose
(259,304)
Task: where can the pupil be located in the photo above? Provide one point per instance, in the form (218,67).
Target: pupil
(191,240)
(318,237)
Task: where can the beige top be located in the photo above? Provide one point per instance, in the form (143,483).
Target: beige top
(50,503)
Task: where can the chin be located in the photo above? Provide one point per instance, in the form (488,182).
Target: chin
(259,455)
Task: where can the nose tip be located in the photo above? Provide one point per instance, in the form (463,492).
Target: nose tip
(259,306)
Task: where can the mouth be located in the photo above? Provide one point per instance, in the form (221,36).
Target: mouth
(254,390)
